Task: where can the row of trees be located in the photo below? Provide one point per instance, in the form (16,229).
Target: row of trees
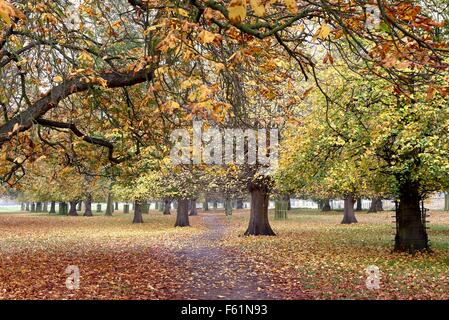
(91,93)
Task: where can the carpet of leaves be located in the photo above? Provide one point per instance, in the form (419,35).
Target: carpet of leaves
(312,257)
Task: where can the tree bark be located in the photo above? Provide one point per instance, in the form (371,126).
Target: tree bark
(109,205)
(38,206)
(33,207)
(359,204)
(376,205)
(411,234)
(182,213)
(167,206)
(88,206)
(286,198)
(22,206)
(98,207)
(52,207)
(45,207)
(193,210)
(258,221)
(116,206)
(27,206)
(326,205)
(62,208)
(349,216)
(446,201)
(228,206)
(138,212)
(126,208)
(72,211)
(239,204)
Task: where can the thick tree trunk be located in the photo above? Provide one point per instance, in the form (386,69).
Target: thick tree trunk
(45,207)
(33,207)
(411,234)
(359,205)
(88,206)
(349,216)
(138,212)
(206,205)
(167,206)
(446,201)
(258,221)
(326,205)
(52,207)
(62,208)
(182,213)
(38,206)
(376,205)
(193,210)
(109,205)
(116,206)
(72,211)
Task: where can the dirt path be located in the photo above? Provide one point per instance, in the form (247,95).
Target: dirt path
(217,273)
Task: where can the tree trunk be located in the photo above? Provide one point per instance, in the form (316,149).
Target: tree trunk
(205,205)
(38,206)
(258,221)
(78,205)
(126,208)
(22,206)
(138,212)
(215,204)
(88,206)
(72,211)
(33,207)
(326,205)
(411,234)
(359,204)
(446,201)
(193,211)
(239,204)
(116,206)
(376,205)
(286,198)
(98,207)
(45,207)
(167,206)
(280,209)
(52,207)
(228,207)
(109,205)
(182,213)
(349,216)
(62,208)
(27,206)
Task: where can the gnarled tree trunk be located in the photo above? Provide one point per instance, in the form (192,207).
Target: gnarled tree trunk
(182,213)
(411,234)
(349,216)
(88,206)
(258,221)
(138,212)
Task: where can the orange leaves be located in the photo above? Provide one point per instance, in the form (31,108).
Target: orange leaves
(8,11)
(237,8)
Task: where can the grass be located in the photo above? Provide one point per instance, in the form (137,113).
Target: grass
(313,256)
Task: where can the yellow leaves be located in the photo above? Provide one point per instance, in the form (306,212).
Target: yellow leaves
(206,37)
(237,11)
(291,5)
(323,32)
(8,11)
(85,57)
(57,79)
(152,28)
(169,42)
(258,7)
